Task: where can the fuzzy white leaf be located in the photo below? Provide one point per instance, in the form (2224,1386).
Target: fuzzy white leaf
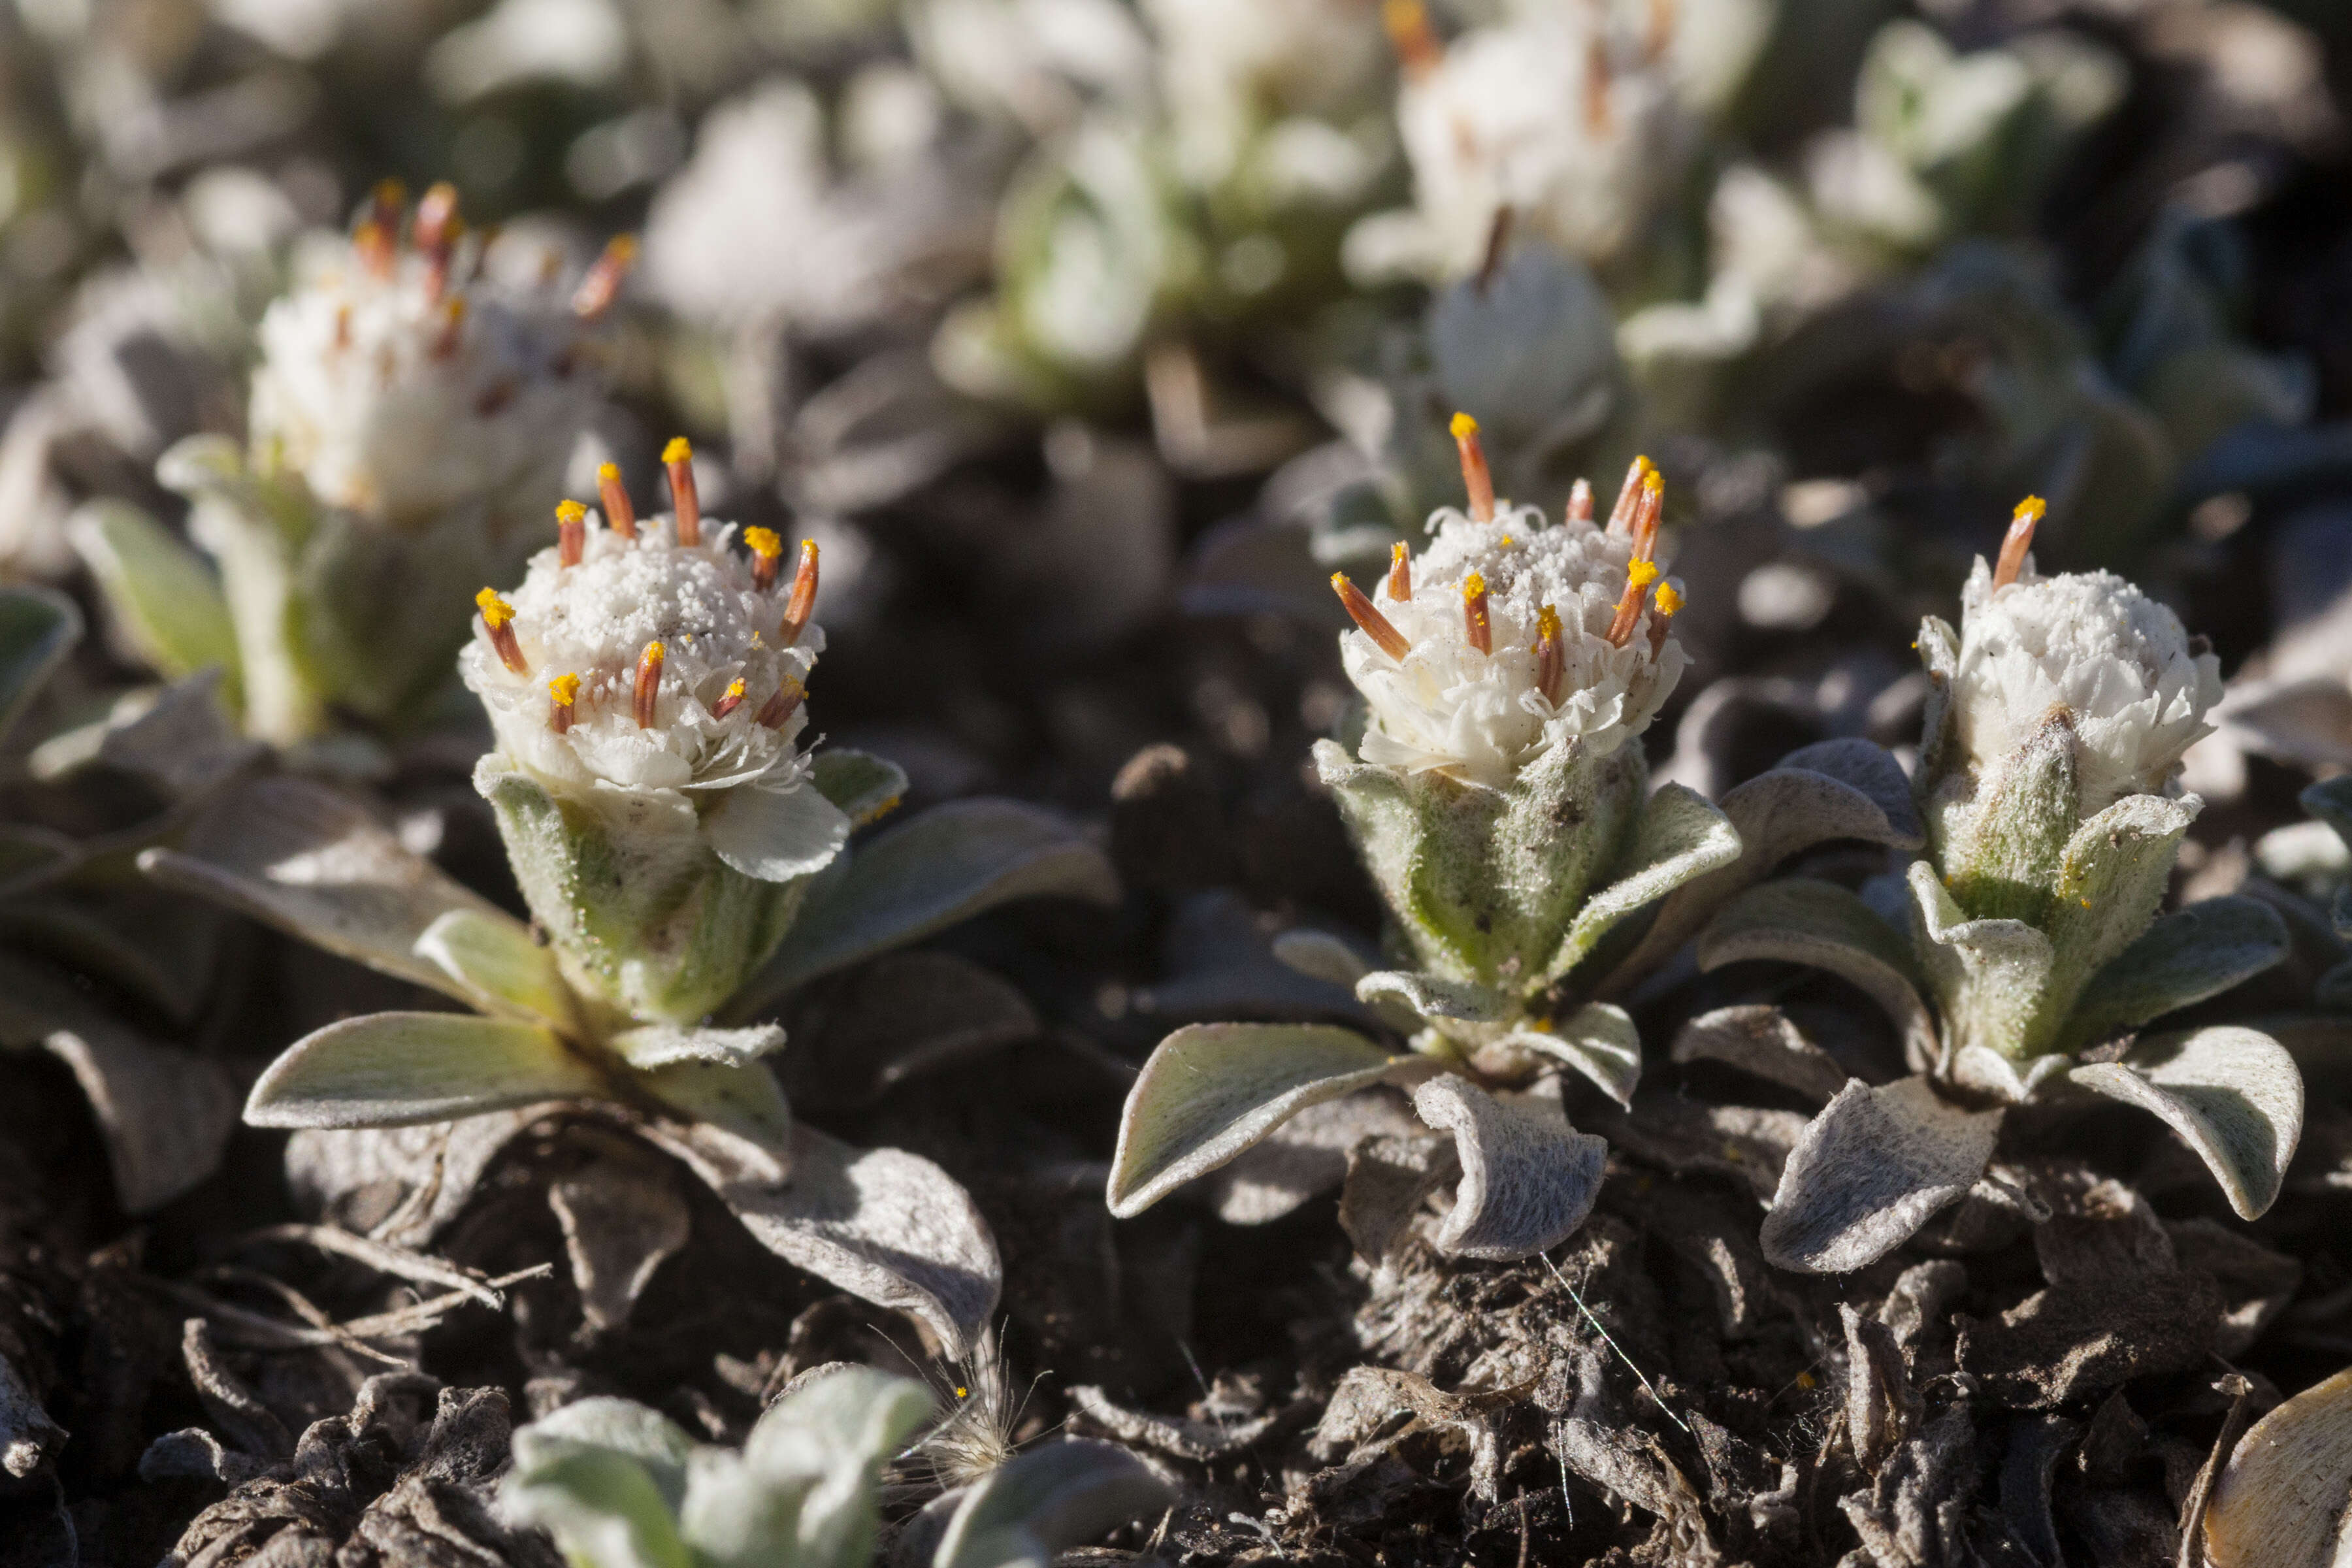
(1528,1179)
(1049,1499)
(623,1426)
(2233,1095)
(865,787)
(499,967)
(1434,996)
(651,1046)
(945,866)
(1823,926)
(165,600)
(2283,1499)
(743,1104)
(1873,1167)
(389,1069)
(1210,1091)
(776,834)
(1988,976)
(166,1113)
(1762,1040)
(2186,956)
(1597,1040)
(602,1507)
(1319,955)
(1681,836)
(297,855)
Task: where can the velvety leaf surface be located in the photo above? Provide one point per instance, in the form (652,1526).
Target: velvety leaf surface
(2233,1095)
(1870,1171)
(388,1068)
(1528,1179)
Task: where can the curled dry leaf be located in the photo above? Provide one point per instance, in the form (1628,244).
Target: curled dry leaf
(1528,1178)
(2283,1497)
(1870,1171)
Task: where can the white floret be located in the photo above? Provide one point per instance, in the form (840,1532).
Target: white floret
(594,619)
(1482,716)
(356,393)
(2115,659)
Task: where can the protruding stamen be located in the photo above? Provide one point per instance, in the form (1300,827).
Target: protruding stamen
(435,234)
(1373,624)
(1663,605)
(767,555)
(374,244)
(561,693)
(1400,573)
(620,515)
(1417,49)
(1646,513)
(1552,655)
(1639,576)
(1476,621)
(777,710)
(452,327)
(1620,515)
(602,283)
(641,700)
(729,701)
(802,606)
(2019,538)
(1579,502)
(678,458)
(342,326)
(1596,86)
(386,203)
(498,619)
(1476,477)
(571,532)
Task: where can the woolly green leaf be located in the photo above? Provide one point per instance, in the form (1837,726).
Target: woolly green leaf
(165,596)
(651,1046)
(1597,1040)
(2186,956)
(1681,836)
(621,1425)
(866,787)
(1210,1091)
(1434,997)
(499,967)
(1823,926)
(1047,1499)
(2233,1095)
(389,1069)
(602,1506)
(1988,976)
(2111,881)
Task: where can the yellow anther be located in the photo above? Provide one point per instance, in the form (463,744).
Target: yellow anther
(571,511)
(496,612)
(735,689)
(1641,574)
(2033,506)
(1668,601)
(763,541)
(1463,428)
(1547,623)
(1473,586)
(565,690)
(679,450)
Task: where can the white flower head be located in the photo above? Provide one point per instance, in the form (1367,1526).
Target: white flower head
(630,660)
(2118,664)
(399,382)
(1507,638)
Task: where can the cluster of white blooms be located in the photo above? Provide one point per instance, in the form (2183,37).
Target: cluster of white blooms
(1483,715)
(399,385)
(1229,67)
(1573,116)
(646,666)
(2092,644)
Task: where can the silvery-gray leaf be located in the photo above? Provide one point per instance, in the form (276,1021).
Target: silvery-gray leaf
(865,787)
(651,1046)
(1319,955)
(1818,924)
(835,1430)
(1303,1158)
(2307,722)
(2330,801)
(1528,1179)
(924,875)
(1987,1071)
(1049,1499)
(618,1425)
(1387,1180)
(27,1433)
(2282,1499)
(776,834)
(2112,880)
(308,862)
(1870,1171)
(1846,789)
(620,1224)
(743,1107)
(499,967)
(166,1113)
(1681,836)
(1762,1040)
(1939,655)
(167,602)
(1210,1091)
(2186,956)
(1434,997)
(2233,1094)
(182,742)
(37,627)
(1597,1040)
(601,1502)
(152,945)
(1988,976)
(888,1226)
(388,1068)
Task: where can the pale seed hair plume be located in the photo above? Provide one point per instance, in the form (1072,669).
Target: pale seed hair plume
(2117,662)
(1507,638)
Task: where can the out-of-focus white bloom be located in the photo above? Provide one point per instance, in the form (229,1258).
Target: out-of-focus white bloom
(1576,117)
(400,387)
(1037,63)
(2116,661)
(1484,716)
(1229,67)
(718,636)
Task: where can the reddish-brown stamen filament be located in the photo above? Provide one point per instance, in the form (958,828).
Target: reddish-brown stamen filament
(802,606)
(2019,539)
(435,235)
(563,693)
(1639,576)
(1620,515)
(1551,656)
(374,243)
(620,514)
(729,701)
(571,532)
(778,710)
(678,458)
(452,328)
(1663,605)
(1477,622)
(648,689)
(1476,477)
(1579,502)
(1374,625)
(498,620)
(602,284)
(1596,87)
(767,556)
(1652,507)
(1400,573)
(1417,49)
